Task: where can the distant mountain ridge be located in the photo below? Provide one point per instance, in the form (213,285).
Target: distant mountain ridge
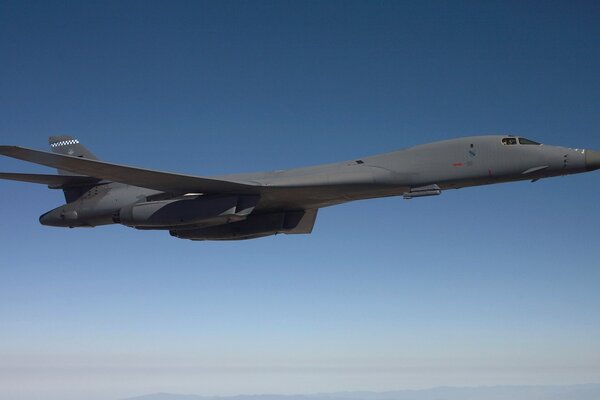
(567,392)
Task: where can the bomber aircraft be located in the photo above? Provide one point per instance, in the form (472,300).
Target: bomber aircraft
(252,205)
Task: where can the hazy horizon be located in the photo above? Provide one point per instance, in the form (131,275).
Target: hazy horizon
(548,392)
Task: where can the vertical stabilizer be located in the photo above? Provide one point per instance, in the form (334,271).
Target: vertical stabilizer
(70,146)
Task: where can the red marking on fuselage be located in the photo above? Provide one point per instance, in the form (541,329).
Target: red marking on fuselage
(489,172)
(458,164)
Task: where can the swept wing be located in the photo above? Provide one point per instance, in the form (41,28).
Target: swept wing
(146,178)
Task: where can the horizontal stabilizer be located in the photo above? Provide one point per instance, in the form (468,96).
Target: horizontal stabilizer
(157,180)
(55,181)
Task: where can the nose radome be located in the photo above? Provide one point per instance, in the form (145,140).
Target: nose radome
(592,160)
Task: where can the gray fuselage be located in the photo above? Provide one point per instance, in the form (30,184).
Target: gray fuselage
(449,164)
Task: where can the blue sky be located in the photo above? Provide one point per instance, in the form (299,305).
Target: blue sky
(490,285)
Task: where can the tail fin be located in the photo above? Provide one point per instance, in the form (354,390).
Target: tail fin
(70,146)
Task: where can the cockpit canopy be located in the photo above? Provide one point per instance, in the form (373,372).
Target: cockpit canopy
(511,140)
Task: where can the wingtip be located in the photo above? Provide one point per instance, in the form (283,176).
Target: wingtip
(12,151)
(6,149)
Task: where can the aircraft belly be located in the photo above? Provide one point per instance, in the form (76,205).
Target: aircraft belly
(311,197)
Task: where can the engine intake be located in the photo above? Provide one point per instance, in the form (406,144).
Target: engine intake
(198,211)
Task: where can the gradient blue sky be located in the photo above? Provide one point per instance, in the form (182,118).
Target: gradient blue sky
(490,285)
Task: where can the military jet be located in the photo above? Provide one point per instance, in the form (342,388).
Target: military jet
(252,205)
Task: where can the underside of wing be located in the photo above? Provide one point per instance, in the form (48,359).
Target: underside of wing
(157,180)
(54,181)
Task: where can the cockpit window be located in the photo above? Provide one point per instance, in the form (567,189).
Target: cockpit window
(509,141)
(527,141)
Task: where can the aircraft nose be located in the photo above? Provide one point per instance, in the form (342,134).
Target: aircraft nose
(592,160)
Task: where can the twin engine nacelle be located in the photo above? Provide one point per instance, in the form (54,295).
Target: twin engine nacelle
(196,211)
(288,222)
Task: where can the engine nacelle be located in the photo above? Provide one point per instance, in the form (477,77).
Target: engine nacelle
(198,211)
(291,222)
